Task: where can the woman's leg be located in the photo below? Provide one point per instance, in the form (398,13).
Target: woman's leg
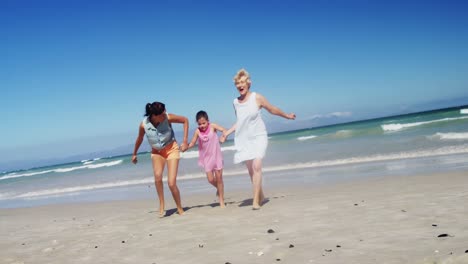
(172,169)
(158,168)
(220,187)
(255,171)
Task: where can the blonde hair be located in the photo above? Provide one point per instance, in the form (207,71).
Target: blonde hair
(241,73)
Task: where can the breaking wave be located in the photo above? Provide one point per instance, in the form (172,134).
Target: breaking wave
(397,126)
(61,170)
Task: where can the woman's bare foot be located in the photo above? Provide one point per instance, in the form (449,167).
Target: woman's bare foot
(180,211)
(162,213)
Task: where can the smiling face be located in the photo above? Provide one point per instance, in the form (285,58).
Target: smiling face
(243,85)
(202,124)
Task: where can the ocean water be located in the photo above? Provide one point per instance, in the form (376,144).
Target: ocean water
(426,142)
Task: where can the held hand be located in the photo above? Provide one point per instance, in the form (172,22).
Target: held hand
(134,159)
(222,139)
(183,147)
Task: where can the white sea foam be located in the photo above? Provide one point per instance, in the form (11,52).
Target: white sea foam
(85,162)
(306,137)
(343,133)
(58,195)
(463,111)
(189,154)
(15,175)
(396,127)
(449,150)
(106,164)
(231,148)
(76,189)
(450,136)
(62,170)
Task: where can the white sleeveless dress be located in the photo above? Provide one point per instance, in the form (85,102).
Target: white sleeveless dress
(251,138)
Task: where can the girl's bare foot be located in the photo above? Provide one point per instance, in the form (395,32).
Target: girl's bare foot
(180,211)
(262,198)
(222,205)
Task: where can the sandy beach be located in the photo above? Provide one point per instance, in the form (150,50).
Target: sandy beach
(401,219)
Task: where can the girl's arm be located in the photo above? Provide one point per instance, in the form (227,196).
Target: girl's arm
(182,120)
(263,102)
(218,128)
(194,139)
(221,129)
(139,139)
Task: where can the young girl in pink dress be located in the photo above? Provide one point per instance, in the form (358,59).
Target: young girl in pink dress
(209,150)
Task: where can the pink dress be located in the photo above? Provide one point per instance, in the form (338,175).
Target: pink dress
(209,150)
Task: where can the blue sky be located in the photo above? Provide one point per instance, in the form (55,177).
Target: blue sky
(75,75)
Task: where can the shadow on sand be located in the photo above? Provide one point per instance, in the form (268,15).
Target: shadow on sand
(246,202)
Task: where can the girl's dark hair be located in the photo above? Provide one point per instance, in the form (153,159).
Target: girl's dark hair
(201,114)
(155,108)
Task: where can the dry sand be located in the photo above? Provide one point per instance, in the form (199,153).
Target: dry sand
(379,220)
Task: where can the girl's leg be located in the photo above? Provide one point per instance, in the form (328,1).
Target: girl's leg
(172,169)
(211,179)
(158,168)
(220,186)
(255,171)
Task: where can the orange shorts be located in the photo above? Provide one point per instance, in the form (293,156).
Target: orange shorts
(169,152)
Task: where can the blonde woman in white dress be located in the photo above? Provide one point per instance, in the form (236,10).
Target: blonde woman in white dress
(251,138)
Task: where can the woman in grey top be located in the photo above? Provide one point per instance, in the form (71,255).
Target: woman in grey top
(157,126)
